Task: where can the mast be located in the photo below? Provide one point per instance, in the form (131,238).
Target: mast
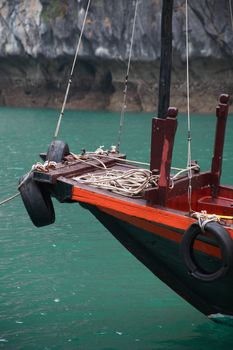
(165,58)
(164,126)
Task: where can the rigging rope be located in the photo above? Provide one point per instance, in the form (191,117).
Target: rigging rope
(18,193)
(39,167)
(231,14)
(71,73)
(189,160)
(9,198)
(124,103)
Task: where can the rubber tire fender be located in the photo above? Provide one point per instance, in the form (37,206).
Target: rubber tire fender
(57,151)
(225,244)
(37,201)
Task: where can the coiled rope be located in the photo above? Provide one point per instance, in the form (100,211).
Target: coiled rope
(71,73)
(130,183)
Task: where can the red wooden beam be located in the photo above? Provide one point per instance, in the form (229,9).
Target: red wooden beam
(216,168)
(166,159)
(162,142)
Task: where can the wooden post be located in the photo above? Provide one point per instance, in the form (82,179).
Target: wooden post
(216,168)
(163,127)
(157,141)
(166,160)
(163,135)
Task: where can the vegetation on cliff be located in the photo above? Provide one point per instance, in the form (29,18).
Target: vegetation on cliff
(39,37)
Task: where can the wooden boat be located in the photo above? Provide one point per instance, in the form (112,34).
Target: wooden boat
(179,225)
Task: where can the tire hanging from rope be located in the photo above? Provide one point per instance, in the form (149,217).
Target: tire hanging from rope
(213,227)
(36,198)
(224,243)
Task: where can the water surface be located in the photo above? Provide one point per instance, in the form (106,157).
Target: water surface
(72,285)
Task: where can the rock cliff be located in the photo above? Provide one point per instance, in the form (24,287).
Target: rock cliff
(39,38)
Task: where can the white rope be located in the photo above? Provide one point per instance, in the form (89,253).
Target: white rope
(10,198)
(105,154)
(189,160)
(84,159)
(48,164)
(101,153)
(124,103)
(16,194)
(129,183)
(71,73)
(204,218)
(124,160)
(26,177)
(187,170)
(38,167)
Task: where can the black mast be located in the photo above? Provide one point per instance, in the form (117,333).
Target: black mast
(165,58)
(164,126)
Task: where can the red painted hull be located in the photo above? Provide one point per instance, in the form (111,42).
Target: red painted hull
(154,235)
(163,222)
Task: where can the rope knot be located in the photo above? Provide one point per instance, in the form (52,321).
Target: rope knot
(204,218)
(44,167)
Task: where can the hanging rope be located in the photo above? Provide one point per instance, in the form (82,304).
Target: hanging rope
(18,193)
(38,167)
(189,160)
(71,73)
(9,198)
(124,105)
(231,14)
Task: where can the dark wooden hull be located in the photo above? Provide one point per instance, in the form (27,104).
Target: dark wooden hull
(154,233)
(162,257)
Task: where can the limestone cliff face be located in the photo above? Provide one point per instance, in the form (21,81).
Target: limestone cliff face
(39,37)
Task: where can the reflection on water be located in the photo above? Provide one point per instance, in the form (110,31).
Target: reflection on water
(71,285)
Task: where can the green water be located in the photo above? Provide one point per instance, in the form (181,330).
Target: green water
(72,285)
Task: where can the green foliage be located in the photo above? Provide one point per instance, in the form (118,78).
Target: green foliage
(53,9)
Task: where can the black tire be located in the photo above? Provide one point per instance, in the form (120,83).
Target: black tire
(224,242)
(57,151)
(37,202)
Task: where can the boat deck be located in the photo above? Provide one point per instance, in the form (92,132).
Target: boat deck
(64,178)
